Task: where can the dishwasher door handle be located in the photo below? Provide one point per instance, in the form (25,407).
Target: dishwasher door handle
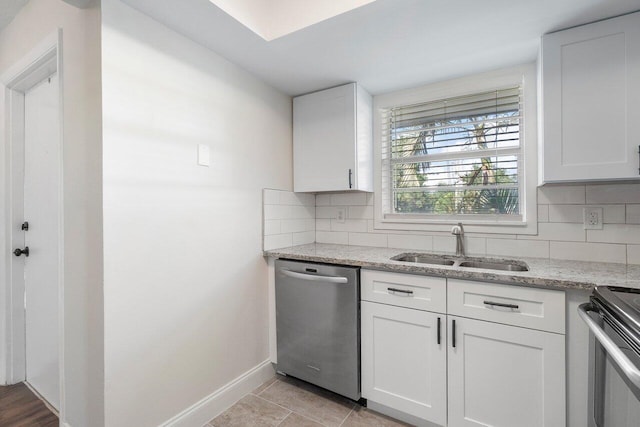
(612,349)
(314,277)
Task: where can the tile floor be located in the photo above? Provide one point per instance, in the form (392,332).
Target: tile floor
(287,402)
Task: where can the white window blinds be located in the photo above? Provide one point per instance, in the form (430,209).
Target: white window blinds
(455,156)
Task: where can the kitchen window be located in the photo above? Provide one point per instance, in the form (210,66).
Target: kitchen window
(446,159)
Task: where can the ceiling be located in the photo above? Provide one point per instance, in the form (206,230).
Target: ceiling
(385,45)
(8,10)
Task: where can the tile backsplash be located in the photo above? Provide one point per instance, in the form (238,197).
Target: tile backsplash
(288,219)
(561,234)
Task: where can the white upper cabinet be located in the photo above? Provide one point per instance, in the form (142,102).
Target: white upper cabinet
(591,101)
(332,140)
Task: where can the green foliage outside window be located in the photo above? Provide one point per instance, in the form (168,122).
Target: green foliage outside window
(461,184)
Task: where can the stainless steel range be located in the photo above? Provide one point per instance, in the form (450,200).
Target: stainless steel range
(613,316)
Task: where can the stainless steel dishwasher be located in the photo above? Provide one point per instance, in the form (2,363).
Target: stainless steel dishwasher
(318,325)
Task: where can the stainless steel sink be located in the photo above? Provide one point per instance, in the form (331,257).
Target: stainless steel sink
(424,259)
(486,263)
(496,265)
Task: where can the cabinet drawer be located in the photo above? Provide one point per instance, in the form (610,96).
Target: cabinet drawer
(534,308)
(404,290)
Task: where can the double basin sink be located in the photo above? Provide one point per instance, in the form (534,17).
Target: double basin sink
(468,262)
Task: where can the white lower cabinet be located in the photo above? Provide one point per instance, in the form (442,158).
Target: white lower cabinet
(404,360)
(504,376)
(455,371)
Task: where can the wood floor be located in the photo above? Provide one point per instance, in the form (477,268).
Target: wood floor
(19,407)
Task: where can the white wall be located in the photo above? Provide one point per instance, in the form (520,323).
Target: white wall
(83,365)
(185,280)
(4,238)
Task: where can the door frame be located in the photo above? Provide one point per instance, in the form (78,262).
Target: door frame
(42,61)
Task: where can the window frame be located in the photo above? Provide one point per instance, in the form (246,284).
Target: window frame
(524,75)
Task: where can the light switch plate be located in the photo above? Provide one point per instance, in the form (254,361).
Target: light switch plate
(203,155)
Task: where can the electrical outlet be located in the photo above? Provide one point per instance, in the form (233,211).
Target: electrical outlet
(592,218)
(340,215)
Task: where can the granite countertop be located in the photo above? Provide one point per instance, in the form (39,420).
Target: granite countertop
(559,274)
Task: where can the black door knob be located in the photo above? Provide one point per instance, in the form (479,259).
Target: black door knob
(24,251)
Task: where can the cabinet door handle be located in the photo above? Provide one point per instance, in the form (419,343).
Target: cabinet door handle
(638,159)
(501,304)
(453,333)
(350,174)
(402,291)
(438,331)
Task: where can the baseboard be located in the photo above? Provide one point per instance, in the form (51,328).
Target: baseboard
(220,400)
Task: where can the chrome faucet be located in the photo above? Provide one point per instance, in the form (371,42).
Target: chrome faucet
(458,231)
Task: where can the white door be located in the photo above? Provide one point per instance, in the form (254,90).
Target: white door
(505,376)
(41,207)
(404,360)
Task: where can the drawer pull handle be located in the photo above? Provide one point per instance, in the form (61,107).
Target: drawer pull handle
(501,304)
(402,291)
(438,330)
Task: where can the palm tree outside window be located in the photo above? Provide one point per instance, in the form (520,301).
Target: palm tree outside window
(457,156)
